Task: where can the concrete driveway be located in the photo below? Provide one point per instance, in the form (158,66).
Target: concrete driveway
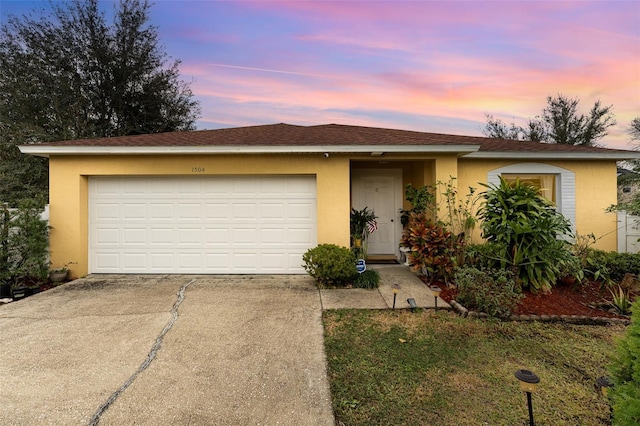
(152,350)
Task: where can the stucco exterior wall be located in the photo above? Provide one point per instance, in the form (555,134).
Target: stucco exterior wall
(69,202)
(595,190)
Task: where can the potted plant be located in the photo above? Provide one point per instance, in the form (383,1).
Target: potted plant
(58,275)
(363,222)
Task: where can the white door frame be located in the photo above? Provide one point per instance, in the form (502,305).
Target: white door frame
(356,184)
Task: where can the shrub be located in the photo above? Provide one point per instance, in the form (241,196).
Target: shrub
(24,243)
(481,256)
(367,279)
(611,266)
(625,374)
(330,264)
(433,249)
(491,290)
(526,227)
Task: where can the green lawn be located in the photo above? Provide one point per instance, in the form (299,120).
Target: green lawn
(455,371)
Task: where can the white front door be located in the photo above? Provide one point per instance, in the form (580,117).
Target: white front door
(380,191)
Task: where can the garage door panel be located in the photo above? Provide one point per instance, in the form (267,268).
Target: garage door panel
(107,260)
(107,211)
(134,261)
(203,224)
(134,236)
(135,211)
(161,236)
(302,212)
(190,237)
(217,236)
(106,236)
(160,211)
(189,211)
(300,237)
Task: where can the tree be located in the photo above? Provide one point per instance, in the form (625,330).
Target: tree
(634,130)
(560,122)
(71,74)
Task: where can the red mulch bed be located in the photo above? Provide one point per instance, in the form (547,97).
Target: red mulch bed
(579,300)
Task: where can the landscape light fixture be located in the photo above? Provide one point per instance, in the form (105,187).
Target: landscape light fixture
(604,384)
(396,289)
(528,381)
(436,293)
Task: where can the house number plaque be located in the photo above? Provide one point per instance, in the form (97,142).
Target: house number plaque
(197,170)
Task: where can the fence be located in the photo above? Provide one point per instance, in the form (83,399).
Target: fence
(628,233)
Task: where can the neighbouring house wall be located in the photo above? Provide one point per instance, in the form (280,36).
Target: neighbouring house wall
(69,201)
(595,190)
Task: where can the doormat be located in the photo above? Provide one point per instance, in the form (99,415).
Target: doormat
(382,262)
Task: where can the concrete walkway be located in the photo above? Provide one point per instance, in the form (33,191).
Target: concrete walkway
(382,298)
(179,349)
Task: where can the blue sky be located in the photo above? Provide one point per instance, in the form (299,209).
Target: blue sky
(435,66)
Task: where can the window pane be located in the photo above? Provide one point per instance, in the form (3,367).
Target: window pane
(546,184)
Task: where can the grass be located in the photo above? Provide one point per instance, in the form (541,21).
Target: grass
(434,368)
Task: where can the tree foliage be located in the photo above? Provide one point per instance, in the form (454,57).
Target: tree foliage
(72,74)
(560,122)
(625,370)
(634,129)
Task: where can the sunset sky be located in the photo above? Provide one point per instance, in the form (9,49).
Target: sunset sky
(435,66)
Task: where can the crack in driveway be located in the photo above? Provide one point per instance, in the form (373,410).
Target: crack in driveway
(150,357)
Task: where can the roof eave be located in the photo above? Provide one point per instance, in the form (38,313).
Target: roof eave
(616,156)
(48,150)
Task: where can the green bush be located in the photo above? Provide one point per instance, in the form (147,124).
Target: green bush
(490,290)
(481,256)
(625,374)
(526,226)
(367,279)
(24,243)
(433,249)
(612,265)
(330,264)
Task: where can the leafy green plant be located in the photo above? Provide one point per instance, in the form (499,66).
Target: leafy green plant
(526,227)
(360,220)
(24,242)
(612,266)
(367,279)
(422,200)
(433,249)
(460,217)
(625,374)
(330,264)
(490,290)
(621,300)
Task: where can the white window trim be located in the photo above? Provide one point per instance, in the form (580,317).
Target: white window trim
(565,184)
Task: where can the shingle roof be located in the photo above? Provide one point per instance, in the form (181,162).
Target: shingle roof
(329,135)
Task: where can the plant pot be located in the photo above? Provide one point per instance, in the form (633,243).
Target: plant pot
(58,276)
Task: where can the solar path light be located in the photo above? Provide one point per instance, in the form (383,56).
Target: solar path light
(396,289)
(436,293)
(528,381)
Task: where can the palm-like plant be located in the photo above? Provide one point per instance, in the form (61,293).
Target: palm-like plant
(526,227)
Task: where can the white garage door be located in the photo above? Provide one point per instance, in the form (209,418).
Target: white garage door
(201,224)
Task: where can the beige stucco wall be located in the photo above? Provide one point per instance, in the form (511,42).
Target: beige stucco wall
(69,191)
(596,185)
(595,188)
